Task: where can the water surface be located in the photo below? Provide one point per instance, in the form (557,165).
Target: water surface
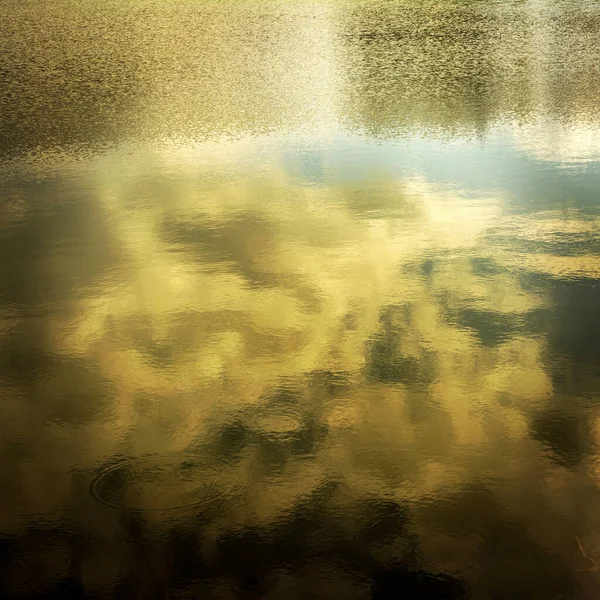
(300,299)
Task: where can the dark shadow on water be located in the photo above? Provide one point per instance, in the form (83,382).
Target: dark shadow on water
(326,534)
(402,583)
(386,362)
(564,432)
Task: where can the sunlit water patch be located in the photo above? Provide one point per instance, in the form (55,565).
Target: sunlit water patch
(299,300)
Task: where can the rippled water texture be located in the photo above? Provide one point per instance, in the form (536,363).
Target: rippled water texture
(300,300)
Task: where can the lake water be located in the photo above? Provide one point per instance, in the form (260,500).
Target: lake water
(300,300)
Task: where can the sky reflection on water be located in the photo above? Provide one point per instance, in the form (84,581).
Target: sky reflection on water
(322,277)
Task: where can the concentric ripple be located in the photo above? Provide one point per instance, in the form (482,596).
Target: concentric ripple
(162,482)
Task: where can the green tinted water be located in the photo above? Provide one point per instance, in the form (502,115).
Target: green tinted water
(299,300)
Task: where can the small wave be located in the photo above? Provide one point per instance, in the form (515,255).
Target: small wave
(162,482)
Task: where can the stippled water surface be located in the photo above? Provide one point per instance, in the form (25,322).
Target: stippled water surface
(299,300)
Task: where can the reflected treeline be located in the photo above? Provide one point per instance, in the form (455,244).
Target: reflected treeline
(368,360)
(455,68)
(83,75)
(390,380)
(86,75)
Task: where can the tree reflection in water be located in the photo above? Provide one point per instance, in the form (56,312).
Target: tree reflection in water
(348,253)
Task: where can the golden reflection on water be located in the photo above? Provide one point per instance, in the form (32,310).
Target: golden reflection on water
(207,259)
(359,300)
